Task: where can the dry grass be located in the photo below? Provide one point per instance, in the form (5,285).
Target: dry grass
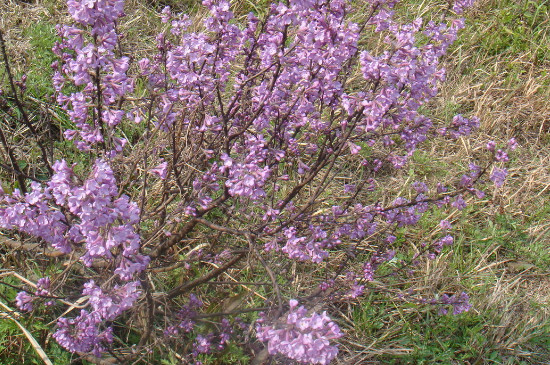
(18,16)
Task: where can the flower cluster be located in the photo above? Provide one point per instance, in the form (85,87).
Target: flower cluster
(460,5)
(459,302)
(96,210)
(32,214)
(302,338)
(100,222)
(106,222)
(306,248)
(24,301)
(186,317)
(110,305)
(82,333)
(460,126)
(88,61)
(204,343)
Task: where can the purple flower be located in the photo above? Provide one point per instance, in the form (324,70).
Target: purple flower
(160,170)
(460,5)
(445,224)
(304,339)
(356,291)
(501,156)
(82,334)
(498,176)
(186,317)
(43,284)
(420,187)
(23,301)
(307,248)
(202,344)
(111,304)
(368,271)
(512,144)
(462,126)
(459,203)
(460,303)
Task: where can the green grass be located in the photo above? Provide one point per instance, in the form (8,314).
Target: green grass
(42,37)
(13,341)
(521,27)
(510,34)
(474,336)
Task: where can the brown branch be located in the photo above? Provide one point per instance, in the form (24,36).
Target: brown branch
(19,104)
(19,175)
(232,313)
(173,240)
(221,228)
(29,247)
(150,310)
(187,228)
(250,239)
(97,80)
(184,288)
(99,361)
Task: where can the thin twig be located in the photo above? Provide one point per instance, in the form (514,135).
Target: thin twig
(19,104)
(270,273)
(184,288)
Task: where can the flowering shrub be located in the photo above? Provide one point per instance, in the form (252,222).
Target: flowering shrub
(244,126)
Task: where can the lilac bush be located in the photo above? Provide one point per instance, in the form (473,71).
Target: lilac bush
(245,123)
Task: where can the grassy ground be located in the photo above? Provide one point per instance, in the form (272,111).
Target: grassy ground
(498,70)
